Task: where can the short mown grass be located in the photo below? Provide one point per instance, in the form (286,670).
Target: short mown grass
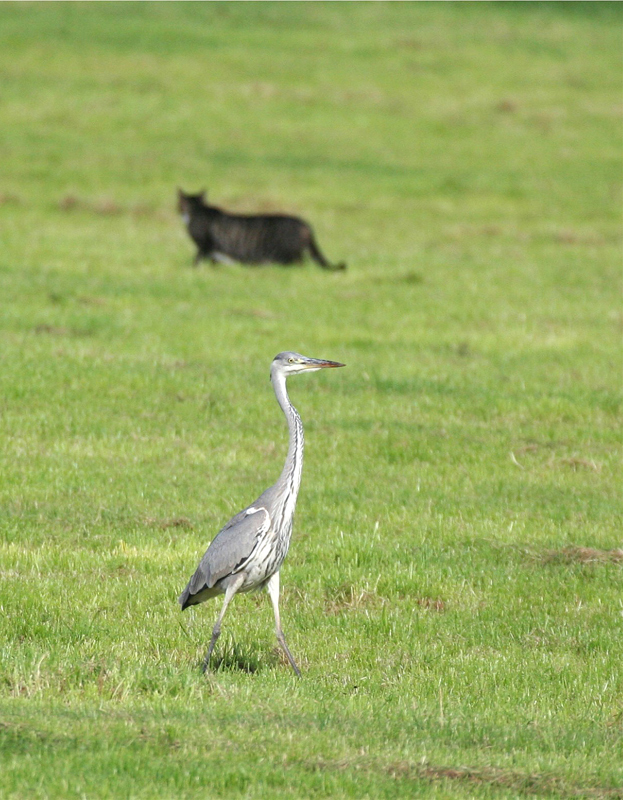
(453,592)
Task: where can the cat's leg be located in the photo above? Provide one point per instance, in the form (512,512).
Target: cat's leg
(220,258)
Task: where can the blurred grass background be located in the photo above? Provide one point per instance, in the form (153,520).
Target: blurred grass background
(453,590)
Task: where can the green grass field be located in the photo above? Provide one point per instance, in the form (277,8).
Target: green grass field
(453,592)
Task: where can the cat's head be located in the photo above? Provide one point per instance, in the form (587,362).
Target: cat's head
(189,202)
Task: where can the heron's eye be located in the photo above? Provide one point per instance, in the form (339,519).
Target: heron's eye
(291,360)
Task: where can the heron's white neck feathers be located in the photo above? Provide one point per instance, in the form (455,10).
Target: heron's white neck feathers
(290,479)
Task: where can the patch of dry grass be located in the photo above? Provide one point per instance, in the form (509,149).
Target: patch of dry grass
(584,555)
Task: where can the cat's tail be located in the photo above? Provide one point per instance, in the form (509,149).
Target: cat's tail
(317,255)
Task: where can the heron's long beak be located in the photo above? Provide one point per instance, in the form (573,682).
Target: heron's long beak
(321,363)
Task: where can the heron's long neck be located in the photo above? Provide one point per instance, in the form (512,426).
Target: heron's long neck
(290,479)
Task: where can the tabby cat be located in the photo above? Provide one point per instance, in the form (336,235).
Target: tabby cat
(257,239)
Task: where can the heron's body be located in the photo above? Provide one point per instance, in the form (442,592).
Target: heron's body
(248,552)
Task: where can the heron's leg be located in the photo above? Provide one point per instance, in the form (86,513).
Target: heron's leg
(216,631)
(272,587)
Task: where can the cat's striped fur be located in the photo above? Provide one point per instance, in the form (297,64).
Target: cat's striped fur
(257,239)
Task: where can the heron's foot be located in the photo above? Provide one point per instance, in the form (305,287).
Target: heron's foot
(282,641)
(215,634)
(206,662)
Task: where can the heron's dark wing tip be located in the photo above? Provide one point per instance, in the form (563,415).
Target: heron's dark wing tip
(199,581)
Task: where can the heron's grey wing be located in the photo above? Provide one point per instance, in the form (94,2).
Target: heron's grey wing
(230,550)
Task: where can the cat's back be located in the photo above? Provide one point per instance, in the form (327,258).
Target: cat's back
(268,221)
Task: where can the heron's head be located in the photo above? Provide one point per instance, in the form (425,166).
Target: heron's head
(289,363)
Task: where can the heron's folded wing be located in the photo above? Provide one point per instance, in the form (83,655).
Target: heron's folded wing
(231,548)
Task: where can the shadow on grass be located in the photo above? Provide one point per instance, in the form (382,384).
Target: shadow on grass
(237,657)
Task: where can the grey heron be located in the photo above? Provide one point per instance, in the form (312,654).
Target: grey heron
(248,552)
